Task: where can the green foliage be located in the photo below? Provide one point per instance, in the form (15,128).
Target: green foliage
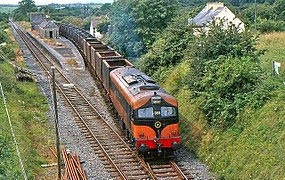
(138,23)
(253,150)
(279,8)
(230,84)
(24,9)
(27,108)
(124,38)
(263,11)
(3,17)
(251,146)
(6,50)
(73,20)
(168,49)
(102,26)
(226,72)
(265,25)
(220,41)
(3,37)
(152,16)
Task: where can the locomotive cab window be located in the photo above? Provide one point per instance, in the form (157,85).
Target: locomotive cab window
(168,111)
(145,112)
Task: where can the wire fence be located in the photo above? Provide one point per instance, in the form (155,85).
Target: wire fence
(13,134)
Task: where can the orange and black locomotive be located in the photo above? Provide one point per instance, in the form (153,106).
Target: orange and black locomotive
(147,112)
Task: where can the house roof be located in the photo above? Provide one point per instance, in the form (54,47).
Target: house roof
(210,11)
(36,17)
(47,23)
(94,22)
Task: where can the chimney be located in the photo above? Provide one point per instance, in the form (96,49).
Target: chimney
(214,5)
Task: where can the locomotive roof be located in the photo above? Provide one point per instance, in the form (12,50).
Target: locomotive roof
(137,87)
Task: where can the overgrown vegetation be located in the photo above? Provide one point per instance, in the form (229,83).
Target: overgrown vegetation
(27,108)
(228,99)
(227,96)
(138,23)
(24,9)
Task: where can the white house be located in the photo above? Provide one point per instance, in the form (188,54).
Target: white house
(93,29)
(216,10)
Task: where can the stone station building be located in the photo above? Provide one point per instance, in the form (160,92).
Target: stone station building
(48,29)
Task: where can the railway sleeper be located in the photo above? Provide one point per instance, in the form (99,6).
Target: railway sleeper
(161,166)
(108,147)
(163,170)
(90,117)
(137,175)
(123,156)
(110,142)
(123,161)
(120,153)
(167,174)
(126,168)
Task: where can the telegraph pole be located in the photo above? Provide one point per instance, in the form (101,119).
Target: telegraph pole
(56,123)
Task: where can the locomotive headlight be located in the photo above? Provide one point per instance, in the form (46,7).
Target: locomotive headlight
(168,111)
(156,100)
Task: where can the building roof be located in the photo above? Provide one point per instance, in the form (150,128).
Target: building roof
(47,23)
(94,22)
(36,17)
(211,10)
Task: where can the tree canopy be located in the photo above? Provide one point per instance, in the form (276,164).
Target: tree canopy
(25,7)
(138,23)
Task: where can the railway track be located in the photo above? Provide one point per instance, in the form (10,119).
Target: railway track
(117,156)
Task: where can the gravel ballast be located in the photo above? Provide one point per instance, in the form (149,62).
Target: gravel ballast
(73,139)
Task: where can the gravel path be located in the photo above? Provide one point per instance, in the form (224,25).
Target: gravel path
(71,137)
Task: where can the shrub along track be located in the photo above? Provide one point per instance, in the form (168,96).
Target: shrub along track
(117,156)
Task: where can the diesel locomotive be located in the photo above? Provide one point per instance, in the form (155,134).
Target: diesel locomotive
(147,113)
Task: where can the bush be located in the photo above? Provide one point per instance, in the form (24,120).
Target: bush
(230,84)
(268,25)
(168,49)
(225,73)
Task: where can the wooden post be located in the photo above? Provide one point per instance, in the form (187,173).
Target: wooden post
(56,123)
(273,68)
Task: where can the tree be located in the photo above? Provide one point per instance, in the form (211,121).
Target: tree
(225,73)
(3,17)
(73,20)
(25,7)
(279,7)
(152,17)
(102,26)
(168,49)
(124,37)
(137,23)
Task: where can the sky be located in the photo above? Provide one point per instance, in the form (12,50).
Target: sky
(41,2)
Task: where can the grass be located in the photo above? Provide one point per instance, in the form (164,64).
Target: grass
(25,25)
(28,111)
(51,42)
(274,43)
(72,62)
(251,149)
(7,9)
